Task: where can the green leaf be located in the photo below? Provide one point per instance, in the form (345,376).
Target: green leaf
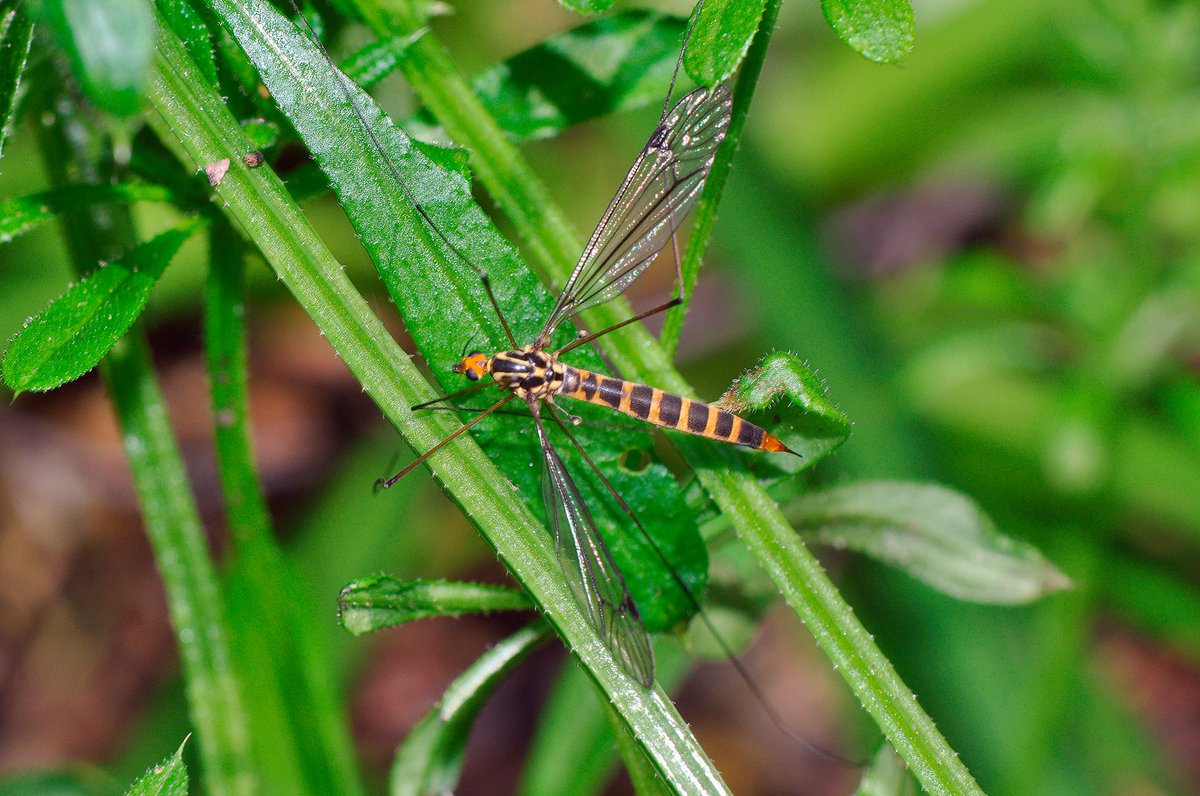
(721,37)
(444,304)
(887,776)
(784,389)
(85,782)
(377,60)
(374,603)
(108,46)
(586,6)
(168,778)
(69,337)
(18,216)
(879,30)
(188,25)
(430,759)
(16,31)
(933,533)
(613,64)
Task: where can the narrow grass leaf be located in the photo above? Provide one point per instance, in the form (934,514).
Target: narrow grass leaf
(168,778)
(796,408)
(430,759)
(933,533)
(16,31)
(189,26)
(879,30)
(69,337)
(108,46)
(372,63)
(721,37)
(444,304)
(375,603)
(616,63)
(21,215)
(887,776)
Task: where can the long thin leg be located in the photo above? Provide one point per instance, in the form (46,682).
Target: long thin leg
(776,718)
(474,388)
(487,285)
(639,317)
(385,483)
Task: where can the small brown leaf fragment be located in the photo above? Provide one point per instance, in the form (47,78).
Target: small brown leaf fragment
(216,170)
(253,159)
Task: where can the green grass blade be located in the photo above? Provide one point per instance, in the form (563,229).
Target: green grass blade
(718,176)
(302,740)
(26,213)
(431,757)
(375,603)
(205,130)
(16,32)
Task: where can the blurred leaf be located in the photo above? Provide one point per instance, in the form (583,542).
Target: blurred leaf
(879,30)
(69,337)
(933,533)
(783,387)
(430,759)
(18,216)
(613,64)
(372,63)
(189,26)
(453,306)
(108,45)
(586,6)
(16,31)
(887,776)
(60,783)
(722,34)
(379,602)
(168,778)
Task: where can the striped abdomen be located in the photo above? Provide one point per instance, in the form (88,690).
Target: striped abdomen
(665,409)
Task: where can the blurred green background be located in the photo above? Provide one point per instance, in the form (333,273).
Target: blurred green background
(991,255)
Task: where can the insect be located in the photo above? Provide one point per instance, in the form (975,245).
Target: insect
(660,189)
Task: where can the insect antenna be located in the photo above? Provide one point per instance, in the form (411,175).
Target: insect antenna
(756,691)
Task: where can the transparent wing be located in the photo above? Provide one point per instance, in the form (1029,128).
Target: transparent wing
(657,194)
(588,566)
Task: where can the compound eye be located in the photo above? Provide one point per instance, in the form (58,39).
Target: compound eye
(472,365)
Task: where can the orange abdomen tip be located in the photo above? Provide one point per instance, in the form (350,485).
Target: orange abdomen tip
(774,444)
